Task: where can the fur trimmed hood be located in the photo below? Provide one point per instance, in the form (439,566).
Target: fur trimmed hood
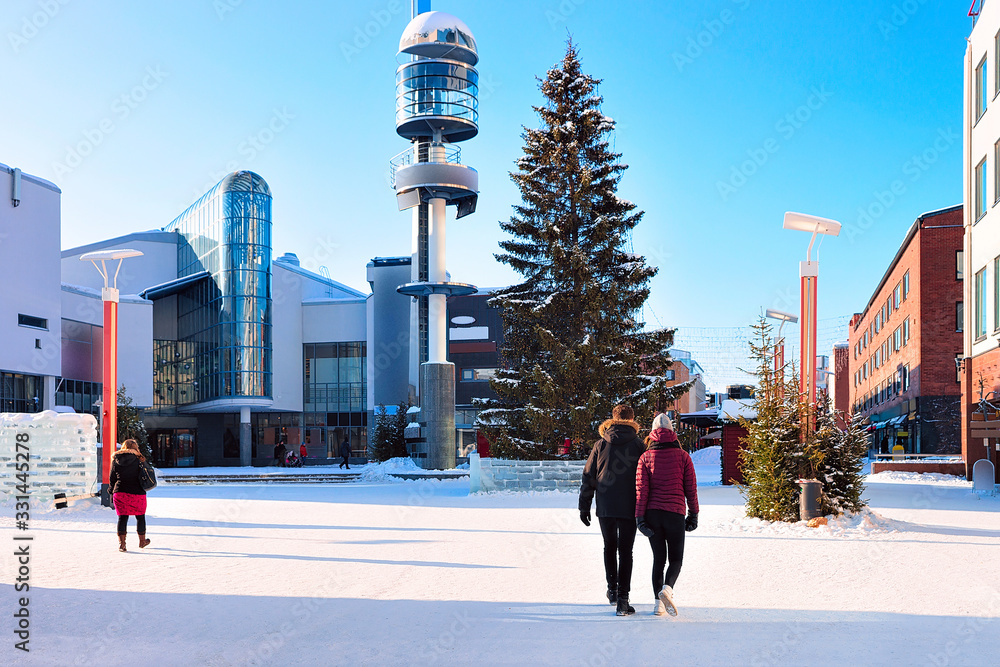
(128,451)
(603,428)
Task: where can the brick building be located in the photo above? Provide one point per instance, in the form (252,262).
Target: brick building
(902,348)
(840,382)
(684,369)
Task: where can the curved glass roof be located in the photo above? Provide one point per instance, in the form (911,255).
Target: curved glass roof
(439,35)
(238,181)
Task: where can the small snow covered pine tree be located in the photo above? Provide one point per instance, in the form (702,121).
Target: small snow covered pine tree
(573,343)
(380,448)
(841,458)
(130,423)
(772,453)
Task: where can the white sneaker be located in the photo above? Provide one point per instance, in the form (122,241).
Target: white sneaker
(659,610)
(666,597)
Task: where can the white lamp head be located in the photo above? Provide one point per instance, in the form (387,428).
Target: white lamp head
(107,255)
(778,315)
(811,223)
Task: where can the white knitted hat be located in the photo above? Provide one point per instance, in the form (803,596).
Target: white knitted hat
(662,421)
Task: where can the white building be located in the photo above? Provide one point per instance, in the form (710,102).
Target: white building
(979,262)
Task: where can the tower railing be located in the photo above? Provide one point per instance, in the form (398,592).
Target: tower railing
(424,151)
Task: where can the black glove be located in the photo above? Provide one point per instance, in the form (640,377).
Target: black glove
(585,517)
(643,527)
(691,522)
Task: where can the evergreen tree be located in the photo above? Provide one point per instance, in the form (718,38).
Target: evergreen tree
(841,458)
(573,343)
(772,454)
(130,423)
(775,457)
(388,440)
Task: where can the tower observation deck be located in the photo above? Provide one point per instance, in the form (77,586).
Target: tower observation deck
(437,106)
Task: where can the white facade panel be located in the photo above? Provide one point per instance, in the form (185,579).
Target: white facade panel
(29,261)
(286,339)
(330,322)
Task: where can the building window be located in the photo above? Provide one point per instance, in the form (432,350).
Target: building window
(981,89)
(980,304)
(905,377)
(906,331)
(482,374)
(959,316)
(897,295)
(20,393)
(906,284)
(670,375)
(959,264)
(996,294)
(996,170)
(981,189)
(897,339)
(33,322)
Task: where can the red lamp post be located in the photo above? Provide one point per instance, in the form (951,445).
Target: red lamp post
(808,274)
(109,398)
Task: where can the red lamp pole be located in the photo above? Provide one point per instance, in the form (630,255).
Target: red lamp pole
(109,380)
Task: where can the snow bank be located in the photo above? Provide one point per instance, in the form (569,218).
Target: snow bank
(383,472)
(707,456)
(867,522)
(897,477)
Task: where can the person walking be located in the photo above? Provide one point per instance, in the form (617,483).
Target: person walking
(345,453)
(664,481)
(279,454)
(610,475)
(302,452)
(127,494)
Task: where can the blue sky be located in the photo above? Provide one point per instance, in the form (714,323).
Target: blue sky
(730,112)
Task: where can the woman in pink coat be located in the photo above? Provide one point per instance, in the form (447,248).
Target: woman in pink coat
(665,486)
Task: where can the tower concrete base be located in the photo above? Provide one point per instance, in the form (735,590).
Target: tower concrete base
(434,448)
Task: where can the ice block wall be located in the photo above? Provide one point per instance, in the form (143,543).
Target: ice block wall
(61,450)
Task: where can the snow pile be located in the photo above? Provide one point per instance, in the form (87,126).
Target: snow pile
(897,477)
(708,456)
(850,525)
(383,472)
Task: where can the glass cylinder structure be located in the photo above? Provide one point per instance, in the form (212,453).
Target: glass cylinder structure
(437,95)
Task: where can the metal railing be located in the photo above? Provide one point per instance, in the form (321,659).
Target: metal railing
(424,151)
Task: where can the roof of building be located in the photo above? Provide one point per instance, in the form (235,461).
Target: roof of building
(329,282)
(32,179)
(902,249)
(151,236)
(238,181)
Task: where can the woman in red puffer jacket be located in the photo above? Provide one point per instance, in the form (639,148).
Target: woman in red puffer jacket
(664,480)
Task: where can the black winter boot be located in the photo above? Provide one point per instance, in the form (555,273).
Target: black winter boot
(612,596)
(624,608)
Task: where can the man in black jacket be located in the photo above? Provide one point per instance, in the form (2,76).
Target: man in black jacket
(610,473)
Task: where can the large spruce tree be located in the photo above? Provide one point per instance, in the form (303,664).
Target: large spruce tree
(574,345)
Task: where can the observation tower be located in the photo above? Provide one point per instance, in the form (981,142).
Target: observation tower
(437,91)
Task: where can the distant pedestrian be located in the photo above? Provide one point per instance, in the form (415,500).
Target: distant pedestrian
(345,453)
(664,480)
(302,451)
(127,494)
(279,454)
(610,475)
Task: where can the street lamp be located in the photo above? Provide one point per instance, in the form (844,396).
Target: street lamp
(808,274)
(779,344)
(109,400)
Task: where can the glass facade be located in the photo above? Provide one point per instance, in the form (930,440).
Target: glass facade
(20,393)
(224,322)
(335,397)
(437,88)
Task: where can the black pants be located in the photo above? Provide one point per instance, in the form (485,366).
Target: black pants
(140,524)
(668,544)
(619,536)
(345,462)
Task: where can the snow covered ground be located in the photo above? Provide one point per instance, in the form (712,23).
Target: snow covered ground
(422,573)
